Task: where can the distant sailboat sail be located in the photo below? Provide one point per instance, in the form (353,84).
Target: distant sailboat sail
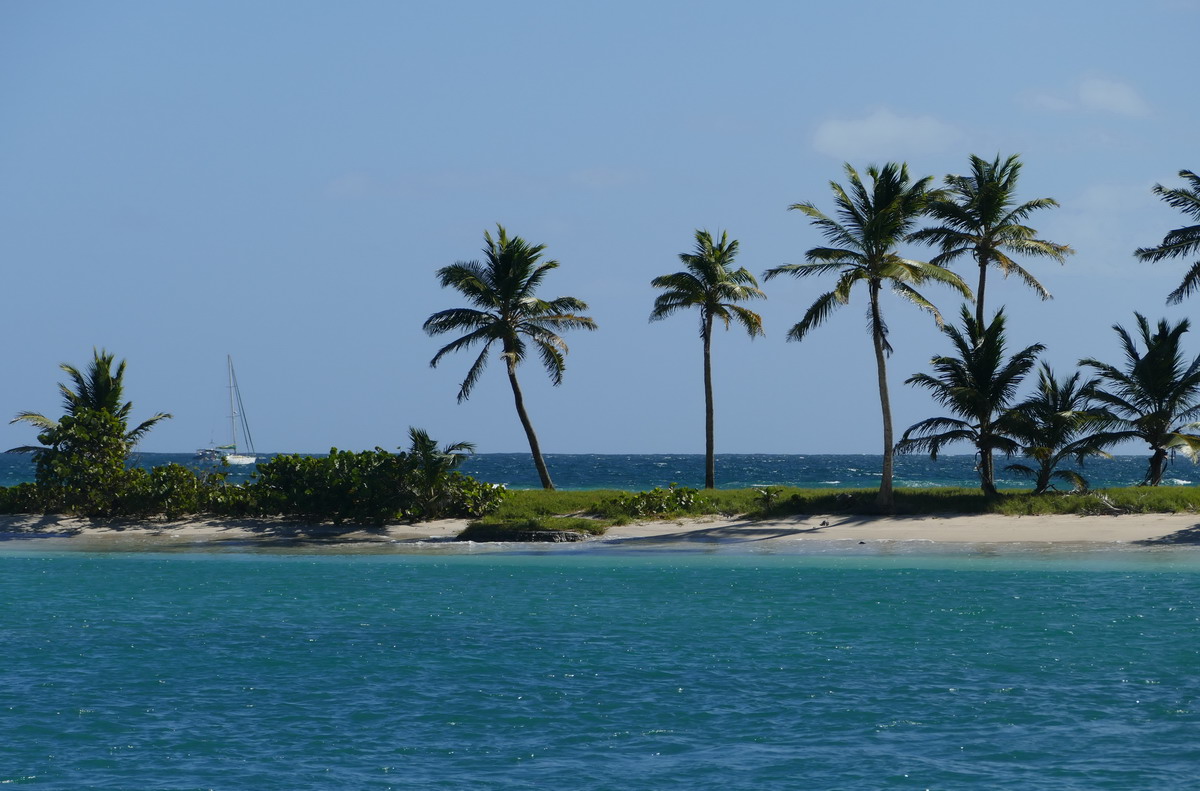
(237,422)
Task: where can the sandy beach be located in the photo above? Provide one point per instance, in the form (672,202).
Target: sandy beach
(52,532)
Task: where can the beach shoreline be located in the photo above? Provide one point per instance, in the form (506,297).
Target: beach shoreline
(953,531)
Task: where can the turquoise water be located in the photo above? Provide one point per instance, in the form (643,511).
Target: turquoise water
(636,472)
(585,670)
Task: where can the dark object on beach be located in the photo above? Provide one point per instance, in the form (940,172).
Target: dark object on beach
(486,533)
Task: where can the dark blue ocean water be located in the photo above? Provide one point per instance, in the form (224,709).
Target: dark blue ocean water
(569,670)
(636,472)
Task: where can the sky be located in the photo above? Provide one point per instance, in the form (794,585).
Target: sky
(280,181)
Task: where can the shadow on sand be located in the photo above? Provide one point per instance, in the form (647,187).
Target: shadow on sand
(1188,535)
(217,533)
(742,532)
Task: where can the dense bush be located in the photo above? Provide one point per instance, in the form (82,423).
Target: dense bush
(171,490)
(373,487)
(82,469)
(365,488)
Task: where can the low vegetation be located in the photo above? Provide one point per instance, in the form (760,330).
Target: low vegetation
(594,511)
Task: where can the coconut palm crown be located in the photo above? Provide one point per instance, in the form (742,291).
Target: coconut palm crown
(99,389)
(506,313)
(979,386)
(979,215)
(1154,396)
(710,283)
(1182,242)
(1057,423)
(869,224)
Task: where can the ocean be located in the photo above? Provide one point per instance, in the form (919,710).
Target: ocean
(591,670)
(636,472)
(818,665)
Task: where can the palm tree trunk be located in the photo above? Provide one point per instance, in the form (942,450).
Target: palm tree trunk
(1158,465)
(534,448)
(885,501)
(980,291)
(987,471)
(710,466)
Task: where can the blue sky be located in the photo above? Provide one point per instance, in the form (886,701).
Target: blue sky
(280,181)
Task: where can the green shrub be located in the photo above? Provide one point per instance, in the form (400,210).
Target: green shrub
(82,468)
(171,490)
(656,502)
(371,487)
(24,498)
(365,488)
(469,498)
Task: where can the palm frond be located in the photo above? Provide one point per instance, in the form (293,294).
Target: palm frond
(472,378)
(483,335)
(552,359)
(135,436)
(456,319)
(35,419)
(1189,285)
(816,315)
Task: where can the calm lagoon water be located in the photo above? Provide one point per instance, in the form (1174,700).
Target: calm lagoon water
(587,670)
(823,666)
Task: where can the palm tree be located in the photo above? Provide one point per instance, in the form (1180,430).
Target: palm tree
(979,385)
(432,469)
(1053,425)
(979,216)
(871,224)
(710,284)
(1154,397)
(99,389)
(507,313)
(1181,242)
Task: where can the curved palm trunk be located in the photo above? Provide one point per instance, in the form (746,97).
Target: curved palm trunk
(710,465)
(885,501)
(534,448)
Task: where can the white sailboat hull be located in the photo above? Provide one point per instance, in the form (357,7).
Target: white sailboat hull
(240,458)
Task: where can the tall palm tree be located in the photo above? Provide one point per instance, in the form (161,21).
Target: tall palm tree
(979,215)
(99,389)
(1057,423)
(871,223)
(711,284)
(506,313)
(1181,242)
(1155,396)
(979,385)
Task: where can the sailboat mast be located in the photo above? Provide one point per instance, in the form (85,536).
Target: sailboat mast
(232,403)
(240,409)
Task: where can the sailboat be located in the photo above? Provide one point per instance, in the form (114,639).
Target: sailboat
(230,453)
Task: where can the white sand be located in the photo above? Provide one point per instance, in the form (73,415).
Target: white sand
(66,532)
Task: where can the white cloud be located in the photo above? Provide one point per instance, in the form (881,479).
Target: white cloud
(1111,96)
(1097,94)
(885,135)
